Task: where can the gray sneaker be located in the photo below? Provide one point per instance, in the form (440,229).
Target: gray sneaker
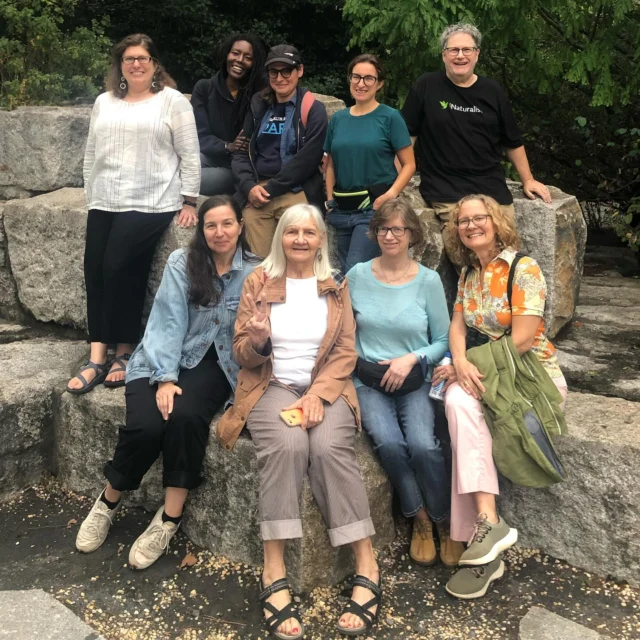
(153,542)
(95,527)
(488,541)
(473,582)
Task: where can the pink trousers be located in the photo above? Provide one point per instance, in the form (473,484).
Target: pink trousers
(473,468)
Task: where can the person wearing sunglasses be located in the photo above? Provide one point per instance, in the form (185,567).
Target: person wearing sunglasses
(402,326)
(362,144)
(280,166)
(462,122)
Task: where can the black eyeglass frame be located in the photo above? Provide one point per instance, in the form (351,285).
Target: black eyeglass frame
(387,229)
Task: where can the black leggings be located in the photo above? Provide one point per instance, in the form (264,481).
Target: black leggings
(182,439)
(117,259)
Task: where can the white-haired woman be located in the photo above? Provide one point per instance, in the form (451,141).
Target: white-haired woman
(295,343)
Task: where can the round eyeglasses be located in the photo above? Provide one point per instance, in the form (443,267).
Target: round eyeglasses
(369,81)
(478,221)
(396,232)
(455,51)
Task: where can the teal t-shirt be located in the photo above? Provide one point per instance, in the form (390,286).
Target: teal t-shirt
(392,321)
(363,148)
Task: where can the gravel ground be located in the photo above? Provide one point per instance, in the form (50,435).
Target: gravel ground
(210,598)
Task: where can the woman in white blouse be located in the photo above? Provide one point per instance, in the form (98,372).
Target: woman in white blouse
(141,168)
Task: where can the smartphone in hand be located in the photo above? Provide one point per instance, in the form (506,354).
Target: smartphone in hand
(292,417)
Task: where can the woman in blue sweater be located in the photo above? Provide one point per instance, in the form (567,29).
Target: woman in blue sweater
(398,304)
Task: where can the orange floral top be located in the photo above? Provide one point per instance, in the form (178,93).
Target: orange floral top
(485,305)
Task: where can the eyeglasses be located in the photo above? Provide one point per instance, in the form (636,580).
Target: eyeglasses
(285,73)
(140,59)
(396,232)
(454,51)
(478,221)
(355,78)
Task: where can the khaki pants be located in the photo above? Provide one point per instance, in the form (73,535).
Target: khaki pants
(443,212)
(261,223)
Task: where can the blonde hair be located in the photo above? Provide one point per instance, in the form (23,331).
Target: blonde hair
(505,229)
(275,264)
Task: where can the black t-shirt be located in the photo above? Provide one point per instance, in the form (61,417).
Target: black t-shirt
(461,133)
(268,159)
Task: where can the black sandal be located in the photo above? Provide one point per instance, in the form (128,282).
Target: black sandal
(101,374)
(121,361)
(278,617)
(362,610)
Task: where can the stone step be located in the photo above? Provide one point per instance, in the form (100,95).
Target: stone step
(222,514)
(591,520)
(540,624)
(32,377)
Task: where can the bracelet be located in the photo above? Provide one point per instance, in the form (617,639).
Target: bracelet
(189,203)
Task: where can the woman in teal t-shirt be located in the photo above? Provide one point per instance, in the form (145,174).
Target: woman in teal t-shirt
(361,144)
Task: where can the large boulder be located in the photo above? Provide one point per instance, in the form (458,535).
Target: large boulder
(31,375)
(9,304)
(41,149)
(591,520)
(221,515)
(45,241)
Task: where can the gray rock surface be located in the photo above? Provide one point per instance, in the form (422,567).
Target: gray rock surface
(48,267)
(221,515)
(555,235)
(9,303)
(27,615)
(32,373)
(591,520)
(41,149)
(600,351)
(540,624)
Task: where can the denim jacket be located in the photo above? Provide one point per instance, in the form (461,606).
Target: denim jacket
(178,334)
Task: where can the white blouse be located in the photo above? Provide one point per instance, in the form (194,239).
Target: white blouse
(297,329)
(142,156)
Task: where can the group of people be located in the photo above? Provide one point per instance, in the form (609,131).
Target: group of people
(253,317)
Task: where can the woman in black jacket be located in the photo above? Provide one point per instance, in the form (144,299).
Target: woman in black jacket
(220,105)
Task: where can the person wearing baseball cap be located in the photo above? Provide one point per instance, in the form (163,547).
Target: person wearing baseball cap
(286,127)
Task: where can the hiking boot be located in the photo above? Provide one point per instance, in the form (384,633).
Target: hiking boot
(153,542)
(473,582)
(450,550)
(423,548)
(488,541)
(95,527)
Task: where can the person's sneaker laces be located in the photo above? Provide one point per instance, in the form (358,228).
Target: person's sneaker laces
(153,542)
(95,527)
(473,582)
(488,541)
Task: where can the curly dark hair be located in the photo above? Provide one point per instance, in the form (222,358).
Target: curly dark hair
(255,81)
(114,77)
(204,281)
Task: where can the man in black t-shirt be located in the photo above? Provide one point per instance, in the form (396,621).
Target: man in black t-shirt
(462,123)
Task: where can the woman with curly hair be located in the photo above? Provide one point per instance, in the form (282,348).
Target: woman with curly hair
(141,168)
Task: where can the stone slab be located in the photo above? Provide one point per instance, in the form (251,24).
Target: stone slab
(540,624)
(42,149)
(9,303)
(221,515)
(27,615)
(32,374)
(591,520)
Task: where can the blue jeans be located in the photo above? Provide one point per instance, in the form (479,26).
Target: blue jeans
(402,430)
(351,236)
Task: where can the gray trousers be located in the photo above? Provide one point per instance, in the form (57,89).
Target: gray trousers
(215,181)
(325,452)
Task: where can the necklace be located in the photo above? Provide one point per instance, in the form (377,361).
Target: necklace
(386,277)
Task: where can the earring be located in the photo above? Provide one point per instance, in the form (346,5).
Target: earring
(319,257)
(154,84)
(123,83)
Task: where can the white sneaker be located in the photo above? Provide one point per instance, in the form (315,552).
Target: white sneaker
(153,542)
(95,527)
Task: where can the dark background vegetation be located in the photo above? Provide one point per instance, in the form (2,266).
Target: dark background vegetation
(571,69)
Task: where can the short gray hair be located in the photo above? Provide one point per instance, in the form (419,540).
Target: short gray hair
(275,264)
(461,27)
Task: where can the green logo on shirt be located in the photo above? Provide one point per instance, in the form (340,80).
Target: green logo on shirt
(444,104)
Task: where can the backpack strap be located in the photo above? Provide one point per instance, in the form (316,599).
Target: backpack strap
(512,273)
(307,102)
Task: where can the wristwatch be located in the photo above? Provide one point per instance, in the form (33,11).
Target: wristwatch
(190,203)
(329,204)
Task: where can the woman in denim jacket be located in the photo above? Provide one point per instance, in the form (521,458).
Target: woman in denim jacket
(177,378)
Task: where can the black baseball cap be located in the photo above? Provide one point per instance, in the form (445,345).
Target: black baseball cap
(284,53)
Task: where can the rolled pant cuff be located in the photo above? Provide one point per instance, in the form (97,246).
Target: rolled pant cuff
(118,481)
(281,529)
(181,480)
(351,532)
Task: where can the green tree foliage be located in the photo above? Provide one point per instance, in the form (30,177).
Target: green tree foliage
(45,61)
(570,69)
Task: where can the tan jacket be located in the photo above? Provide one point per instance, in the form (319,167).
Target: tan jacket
(331,374)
